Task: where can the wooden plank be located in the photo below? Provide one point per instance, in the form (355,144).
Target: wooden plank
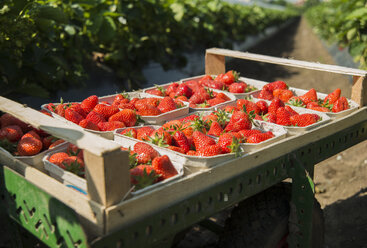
(106,165)
(214,64)
(137,207)
(359,90)
(92,214)
(286,62)
(73,134)
(108,177)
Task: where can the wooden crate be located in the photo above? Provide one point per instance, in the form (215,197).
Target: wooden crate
(107,168)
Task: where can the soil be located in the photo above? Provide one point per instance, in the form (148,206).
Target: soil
(341,181)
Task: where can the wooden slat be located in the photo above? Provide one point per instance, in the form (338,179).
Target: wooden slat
(359,90)
(91,213)
(137,207)
(286,62)
(73,134)
(214,64)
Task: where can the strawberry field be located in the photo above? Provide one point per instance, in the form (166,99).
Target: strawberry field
(45,46)
(344,23)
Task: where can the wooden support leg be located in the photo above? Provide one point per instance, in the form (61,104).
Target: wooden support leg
(214,64)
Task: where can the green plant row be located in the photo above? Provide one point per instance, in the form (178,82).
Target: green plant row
(45,44)
(345,23)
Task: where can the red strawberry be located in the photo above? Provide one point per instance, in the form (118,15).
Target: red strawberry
(73,116)
(215,101)
(143,158)
(310,96)
(88,124)
(126,106)
(142,176)
(189,118)
(284,95)
(184,90)
(74,165)
(274,105)
(226,143)
(56,143)
(176,149)
(266,94)
(210,150)
(191,153)
(110,125)
(160,137)
(216,85)
(230,109)
(250,106)
(228,78)
(167,104)
(259,137)
(130,132)
(157,91)
(89,103)
(174,124)
(31,134)
(283,117)
(106,110)
(237,87)
(29,146)
(248,133)
(239,120)
(141,147)
(278,85)
(143,133)
(73,150)
(340,105)
(290,110)
(12,133)
(171,88)
(120,98)
(303,120)
(8,120)
(205,80)
(148,110)
(319,108)
(76,107)
(95,117)
(164,167)
(47,141)
(181,141)
(196,99)
(126,116)
(57,158)
(60,109)
(270,117)
(332,97)
(263,106)
(201,140)
(215,129)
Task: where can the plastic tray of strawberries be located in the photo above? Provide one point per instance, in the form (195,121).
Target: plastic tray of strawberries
(70,179)
(157,119)
(299,92)
(249,81)
(230,95)
(279,132)
(177,157)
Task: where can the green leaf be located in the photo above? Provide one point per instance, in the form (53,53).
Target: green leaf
(96,23)
(108,29)
(351,33)
(33,90)
(179,11)
(70,30)
(357,14)
(52,13)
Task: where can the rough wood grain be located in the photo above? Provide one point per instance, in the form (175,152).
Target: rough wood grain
(359,90)
(214,64)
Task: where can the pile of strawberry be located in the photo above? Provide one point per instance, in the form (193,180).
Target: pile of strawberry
(123,112)
(226,81)
(71,160)
(147,166)
(193,92)
(333,102)
(20,139)
(276,112)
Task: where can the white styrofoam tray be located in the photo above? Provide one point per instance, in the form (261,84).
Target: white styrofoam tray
(180,158)
(299,92)
(80,183)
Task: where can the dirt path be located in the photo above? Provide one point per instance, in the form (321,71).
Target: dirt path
(341,180)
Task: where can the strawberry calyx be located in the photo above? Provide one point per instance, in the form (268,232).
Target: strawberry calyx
(161,89)
(158,140)
(326,105)
(222,117)
(75,168)
(146,179)
(8,146)
(210,92)
(139,120)
(250,88)
(296,103)
(235,147)
(236,75)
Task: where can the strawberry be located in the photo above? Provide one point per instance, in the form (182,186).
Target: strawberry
(189,118)
(319,108)
(56,143)
(310,96)
(215,129)
(201,140)
(230,109)
(183,90)
(47,141)
(73,116)
(143,158)
(74,165)
(8,120)
(77,108)
(126,106)
(33,134)
(110,125)
(88,124)
(302,120)
(73,150)
(142,176)
(95,117)
(181,141)
(158,91)
(60,109)
(274,105)
(160,137)
(164,167)
(228,78)
(29,146)
(176,149)
(296,101)
(196,99)
(222,96)
(143,133)
(249,106)
(130,132)
(205,80)
(216,85)
(210,150)
(332,97)
(141,147)
(89,103)
(284,95)
(57,158)
(263,106)
(278,85)
(283,117)
(237,87)
(229,143)
(167,104)
(127,116)
(106,110)
(191,153)
(259,137)
(120,98)
(174,124)
(249,132)
(239,120)
(12,133)
(290,110)
(171,88)
(270,117)
(340,105)
(266,94)
(148,110)
(215,101)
